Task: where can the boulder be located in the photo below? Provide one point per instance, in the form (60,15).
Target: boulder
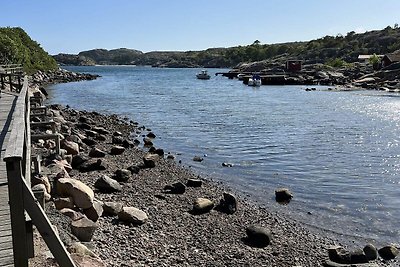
(81,194)
(41,179)
(77,160)
(117,140)
(87,261)
(83,229)
(132,215)
(117,133)
(151,135)
(147,142)
(388,252)
(73,214)
(101,130)
(112,208)
(134,169)
(94,212)
(117,150)
(122,175)
(371,252)
(89,142)
(127,143)
(175,188)
(42,188)
(228,204)
(258,236)
(96,153)
(202,205)
(71,147)
(198,158)
(64,202)
(150,160)
(194,183)
(107,185)
(93,165)
(283,195)
(339,255)
(80,249)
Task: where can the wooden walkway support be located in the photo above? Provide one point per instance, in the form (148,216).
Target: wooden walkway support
(23,206)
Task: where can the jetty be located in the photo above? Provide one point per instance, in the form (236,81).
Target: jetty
(20,210)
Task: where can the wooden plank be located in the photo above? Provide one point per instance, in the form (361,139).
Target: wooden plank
(15,146)
(43,225)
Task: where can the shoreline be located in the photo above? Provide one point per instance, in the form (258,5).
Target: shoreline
(284,250)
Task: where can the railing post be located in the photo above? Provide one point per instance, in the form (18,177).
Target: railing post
(17,214)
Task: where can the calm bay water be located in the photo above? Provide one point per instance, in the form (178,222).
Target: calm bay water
(338,152)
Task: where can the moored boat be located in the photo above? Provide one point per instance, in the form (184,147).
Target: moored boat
(203,75)
(254,81)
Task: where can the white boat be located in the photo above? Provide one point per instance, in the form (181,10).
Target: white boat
(203,75)
(254,81)
(240,76)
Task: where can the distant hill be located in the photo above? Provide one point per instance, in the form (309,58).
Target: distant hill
(322,50)
(16,47)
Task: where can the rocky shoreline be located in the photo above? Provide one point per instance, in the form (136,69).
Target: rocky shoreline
(115,203)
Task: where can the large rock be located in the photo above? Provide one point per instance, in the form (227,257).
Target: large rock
(94,213)
(81,194)
(41,179)
(283,195)
(202,205)
(64,202)
(117,150)
(371,252)
(175,188)
(228,204)
(83,229)
(93,165)
(81,250)
(71,147)
(258,236)
(96,153)
(112,208)
(122,175)
(107,185)
(339,254)
(132,215)
(87,261)
(150,160)
(194,183)
(78,160)
(72,214)
(388,252)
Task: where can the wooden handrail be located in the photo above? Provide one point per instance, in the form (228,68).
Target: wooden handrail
(21,198)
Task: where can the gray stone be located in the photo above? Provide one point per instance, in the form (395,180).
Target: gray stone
(71,147)
(175,188)
(81,194)
(64,202)
(339,255)
(150,160)
(93,213)
(117,150)
(283,195)
(107,185)
(198,159)
(93,165)
(132,215)
(258,236)
(228,203)
(194,183)
(112,208)
(202,205)
(96,153)
(388,252)
(83,229)
(73,214)
(370,252)
(122,175)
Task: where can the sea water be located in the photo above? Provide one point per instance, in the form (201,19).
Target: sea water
(337,151)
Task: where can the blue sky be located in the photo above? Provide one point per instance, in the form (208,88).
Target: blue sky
(71,26)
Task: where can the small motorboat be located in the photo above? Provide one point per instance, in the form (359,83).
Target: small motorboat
(254,81)
(203,75)
(240,76)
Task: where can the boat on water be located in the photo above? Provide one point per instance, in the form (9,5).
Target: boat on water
(203,75)
(240,76)
(254,81)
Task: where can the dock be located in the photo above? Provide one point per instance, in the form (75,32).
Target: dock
(20,210)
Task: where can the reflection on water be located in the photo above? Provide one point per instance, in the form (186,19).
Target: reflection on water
(338,152)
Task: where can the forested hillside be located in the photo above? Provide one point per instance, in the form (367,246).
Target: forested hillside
(16,47)
(326,49)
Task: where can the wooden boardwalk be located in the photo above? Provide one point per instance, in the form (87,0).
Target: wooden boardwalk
(7,105)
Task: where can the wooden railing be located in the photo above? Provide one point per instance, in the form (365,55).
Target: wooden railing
(23,204)
(11,75)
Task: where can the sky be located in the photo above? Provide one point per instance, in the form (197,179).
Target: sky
(71,26)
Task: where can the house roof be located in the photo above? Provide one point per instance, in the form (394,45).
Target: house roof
(394,57)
